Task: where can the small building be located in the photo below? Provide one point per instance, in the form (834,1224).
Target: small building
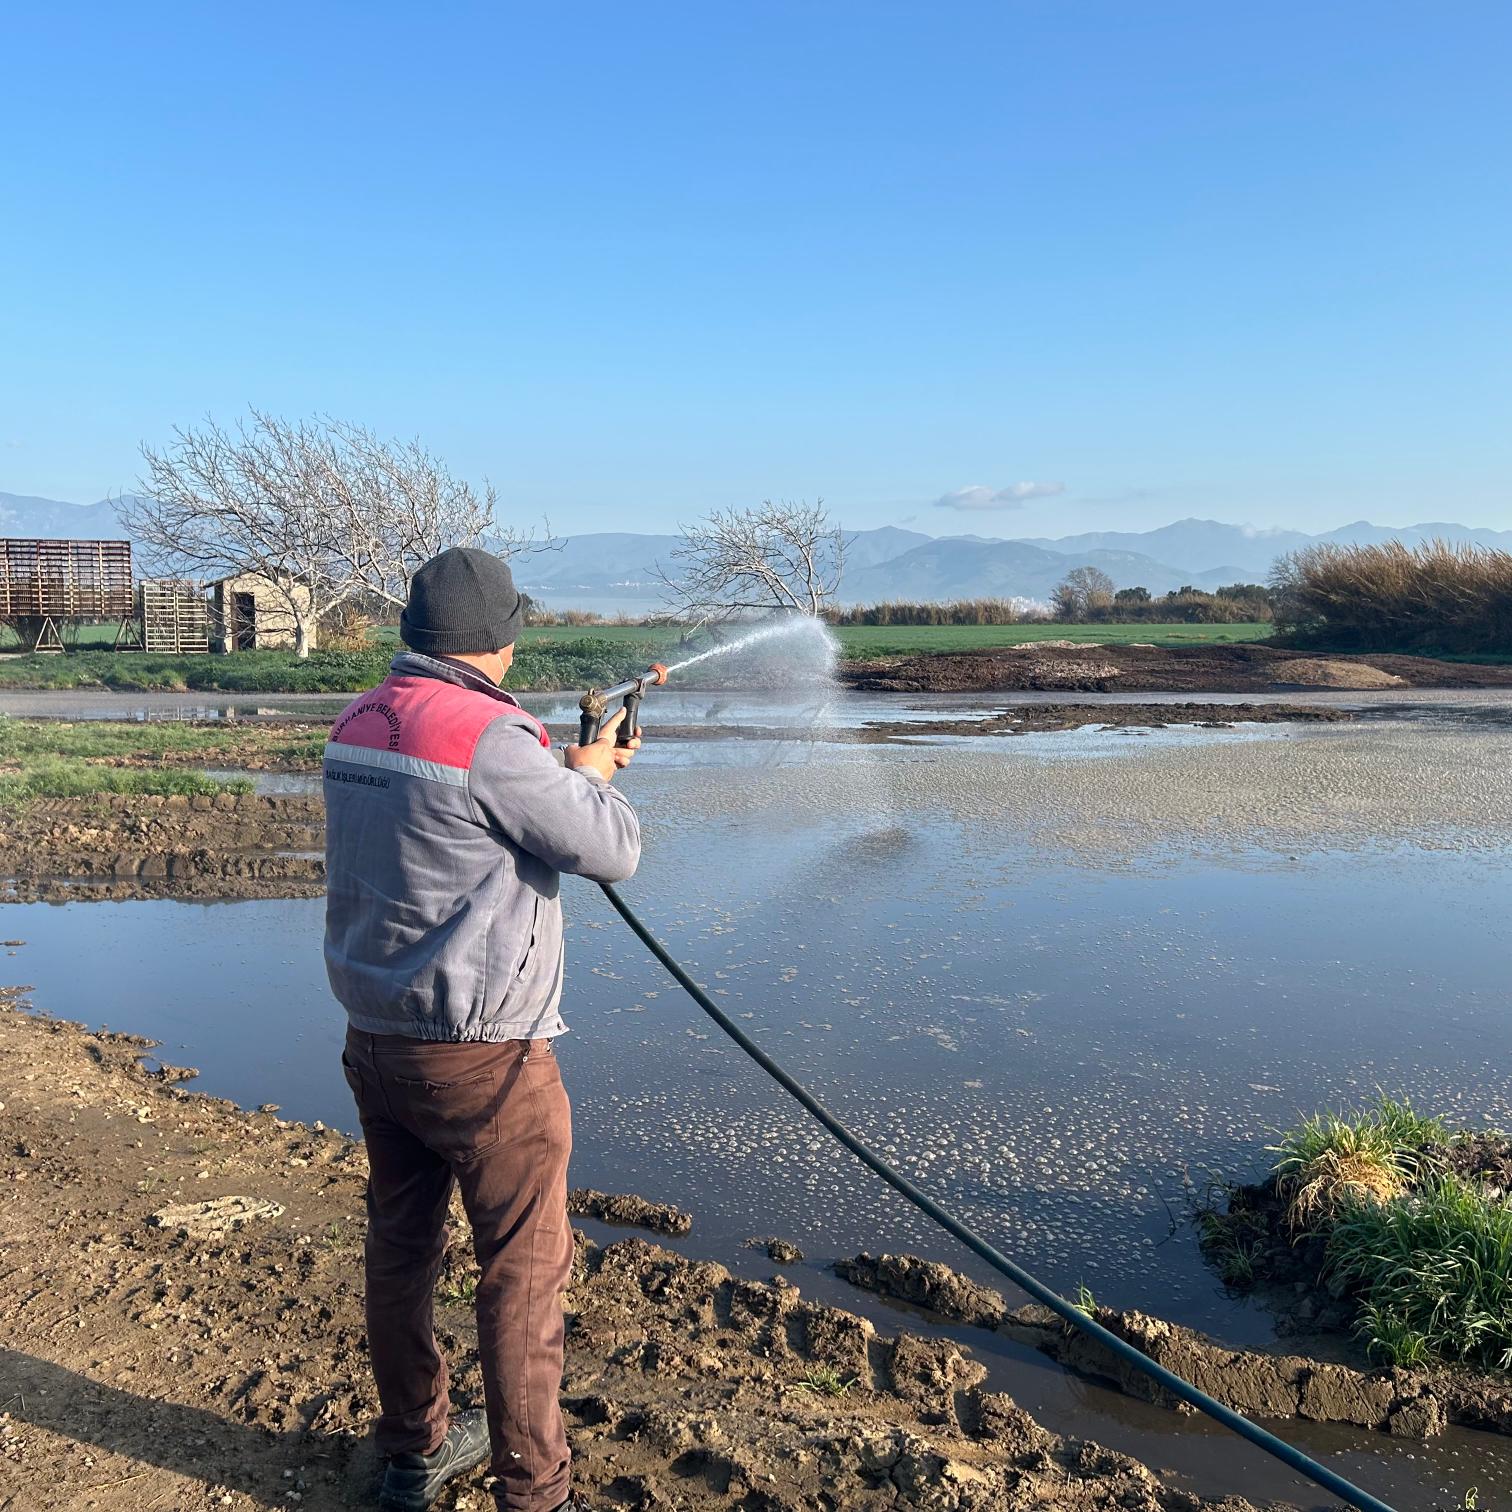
(254,611)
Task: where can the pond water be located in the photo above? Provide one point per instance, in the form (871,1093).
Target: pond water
(1058,979)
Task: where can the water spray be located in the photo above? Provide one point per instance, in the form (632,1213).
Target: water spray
(594,706)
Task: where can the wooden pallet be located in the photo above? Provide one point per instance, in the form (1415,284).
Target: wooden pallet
(174,618)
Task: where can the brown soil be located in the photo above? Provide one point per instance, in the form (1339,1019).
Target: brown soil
(1242,668)
(1404,1403)
(132,846)
(1484,1158)
(184,1331)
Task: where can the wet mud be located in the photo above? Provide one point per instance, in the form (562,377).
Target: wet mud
(626,1208)
(1416,1404)
(115,845)
(1026,719)
(185,1330)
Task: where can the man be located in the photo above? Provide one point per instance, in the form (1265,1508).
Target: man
(448,824)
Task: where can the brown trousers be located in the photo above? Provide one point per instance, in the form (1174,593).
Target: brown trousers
(495,1119)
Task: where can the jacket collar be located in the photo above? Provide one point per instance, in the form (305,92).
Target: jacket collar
(444,669)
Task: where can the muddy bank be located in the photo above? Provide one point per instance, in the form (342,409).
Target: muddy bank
(1026,719)
(184,1330)
(626,1208)
(1032,719)
(229,845)
(1244,668)
(1416,1404)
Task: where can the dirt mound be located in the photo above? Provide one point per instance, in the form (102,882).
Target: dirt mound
(1246,666)
(1404,1403)
(1350,676)
(926,1283)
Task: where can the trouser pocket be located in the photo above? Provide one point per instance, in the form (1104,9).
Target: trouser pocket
(450,1096)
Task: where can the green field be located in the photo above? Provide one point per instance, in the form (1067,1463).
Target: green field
(548,658)
(861,641)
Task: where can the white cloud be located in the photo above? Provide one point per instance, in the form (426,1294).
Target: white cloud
(1014,496)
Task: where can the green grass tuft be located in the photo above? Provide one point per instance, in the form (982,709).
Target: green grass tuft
(1332,1159)
(825,1380)
(1434,1273)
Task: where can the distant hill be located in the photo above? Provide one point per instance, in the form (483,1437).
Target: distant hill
(616,570)
(22,515)
(1196,545)
(967,567)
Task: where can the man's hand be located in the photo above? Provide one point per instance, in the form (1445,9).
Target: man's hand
(602,755)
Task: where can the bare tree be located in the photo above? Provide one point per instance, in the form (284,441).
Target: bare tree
(1082,589)
(784,557)
(323,510)
(402,505)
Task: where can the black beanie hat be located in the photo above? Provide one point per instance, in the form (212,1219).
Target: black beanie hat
(463,600)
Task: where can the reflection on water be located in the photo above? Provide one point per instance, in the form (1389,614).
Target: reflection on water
(1057,992)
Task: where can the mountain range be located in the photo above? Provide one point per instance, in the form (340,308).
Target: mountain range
(610,570)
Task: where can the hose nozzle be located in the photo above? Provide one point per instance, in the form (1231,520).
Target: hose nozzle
(594,704)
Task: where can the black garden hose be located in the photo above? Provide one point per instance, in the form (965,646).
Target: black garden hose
(1279,1448)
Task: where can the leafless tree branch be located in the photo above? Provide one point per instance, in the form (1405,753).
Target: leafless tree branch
(325,510)
(778,557)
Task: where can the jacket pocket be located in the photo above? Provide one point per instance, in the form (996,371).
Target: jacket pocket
(457,1119)
(535,934)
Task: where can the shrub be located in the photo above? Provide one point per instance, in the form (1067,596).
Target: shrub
(984,611)
(1189,606)
(346,629)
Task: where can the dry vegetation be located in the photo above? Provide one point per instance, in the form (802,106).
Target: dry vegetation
(1438,597)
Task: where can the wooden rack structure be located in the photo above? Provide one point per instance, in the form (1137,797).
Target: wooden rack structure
(49,587)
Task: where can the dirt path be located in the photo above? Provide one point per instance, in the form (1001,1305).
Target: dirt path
(152,1361)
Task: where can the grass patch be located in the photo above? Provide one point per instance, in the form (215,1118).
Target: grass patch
(1434,1273)
(548,658)
(565,660)
(107,740)
(1332,1161)
(54,777)
(44,759)
(825,1381)
(462,1293)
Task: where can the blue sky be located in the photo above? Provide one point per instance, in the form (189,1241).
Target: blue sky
(635,261)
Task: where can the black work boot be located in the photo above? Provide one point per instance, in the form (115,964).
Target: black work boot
(413,1481)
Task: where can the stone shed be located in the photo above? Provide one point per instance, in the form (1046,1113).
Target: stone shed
(253,612)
